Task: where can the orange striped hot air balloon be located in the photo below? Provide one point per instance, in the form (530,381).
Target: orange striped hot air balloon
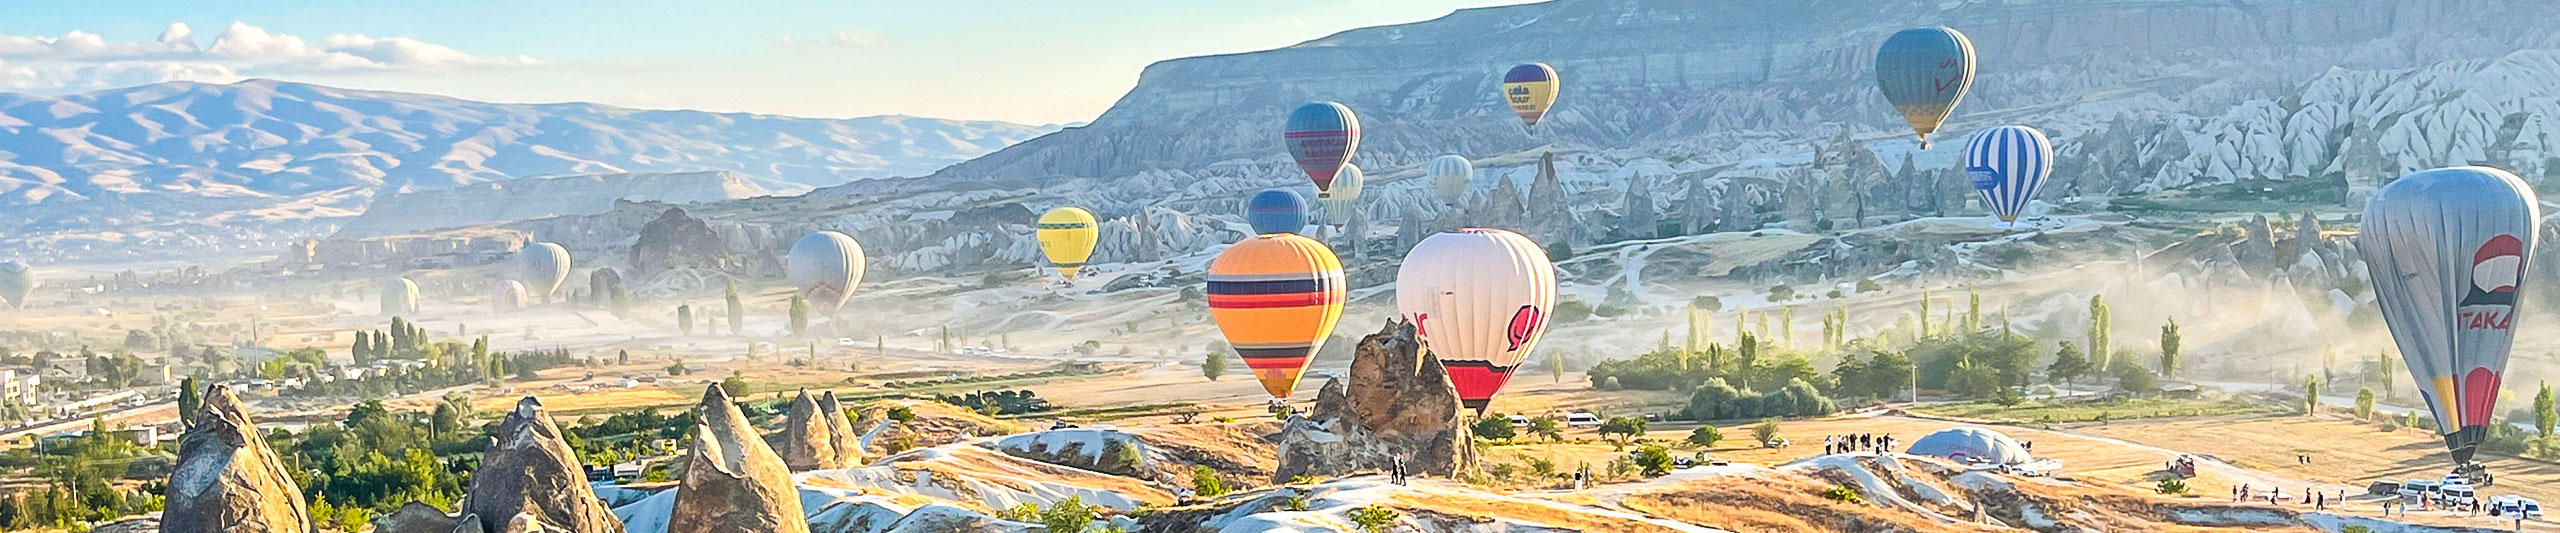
(1277,297)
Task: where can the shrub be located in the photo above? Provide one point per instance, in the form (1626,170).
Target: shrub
(1705,436)
(1070,515)
(1766,430)
(1373,518)
(2173,485)
(1205,482)
(1653,460)
(1844,494)
(1869,285)
(1494,427)
(902,414)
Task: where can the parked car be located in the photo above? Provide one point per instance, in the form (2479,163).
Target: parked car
(1581,419)
(2417,490)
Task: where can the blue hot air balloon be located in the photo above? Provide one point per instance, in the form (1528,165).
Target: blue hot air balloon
(2008,164)
(1276,211)
(1322,136)
(1924,72)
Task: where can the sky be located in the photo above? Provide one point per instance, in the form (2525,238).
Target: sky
(1027,61)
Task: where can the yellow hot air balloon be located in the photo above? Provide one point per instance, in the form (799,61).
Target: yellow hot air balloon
(1530,89)
(1067,235)
(1277,297)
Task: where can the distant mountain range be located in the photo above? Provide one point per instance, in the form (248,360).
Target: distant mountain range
(193,164)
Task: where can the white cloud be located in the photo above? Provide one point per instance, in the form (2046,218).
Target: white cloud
(80,60)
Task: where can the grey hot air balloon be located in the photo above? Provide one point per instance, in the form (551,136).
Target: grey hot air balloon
(2447,249)
(1924,72)
(826,265)
(17,280)
(508,295)
(543,267)
(399,297)
(1450,175)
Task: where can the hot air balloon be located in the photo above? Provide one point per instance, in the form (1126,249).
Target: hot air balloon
(826,265)
(1479,299)
(17,280)
(1276,211)
(1277,297)
(1067,235)
(1924,72)
(544,266)
(508,295)
(399,296)
(1322,136)
(1344,200)
(1450,175)
(2008,164)
(1530,89)
(2447,249)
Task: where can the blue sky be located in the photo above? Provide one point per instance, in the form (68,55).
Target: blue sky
(1033,61)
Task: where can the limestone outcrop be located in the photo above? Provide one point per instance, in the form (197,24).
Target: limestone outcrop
(227,480)
(1398,403)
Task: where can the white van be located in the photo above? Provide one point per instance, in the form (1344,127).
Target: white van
(2513,506)
(1581,419)
(2418,490)
(2459,495)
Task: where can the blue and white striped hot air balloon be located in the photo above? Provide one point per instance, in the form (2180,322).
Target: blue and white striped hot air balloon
(2008,164)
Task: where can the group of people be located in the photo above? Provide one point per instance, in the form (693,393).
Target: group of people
(2275,496)
(1857,442)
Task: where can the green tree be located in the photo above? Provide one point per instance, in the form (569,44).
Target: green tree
(684,320)
(2136,379)
(1653,460)
(190,398)
(1705,435)
(2101,336)
(1214,365)
(1546,427)
(1374,518)
(1555,366)
(2169,345)
(1070,515)
(2546,415)
(1625,427)
(737,311)
(2390,377)
(735,384)
(1205,482)
(1494,427)
(2311,394)
(2364,404)
(2067,364)
(1766,431)
(1559,251)
(799,316)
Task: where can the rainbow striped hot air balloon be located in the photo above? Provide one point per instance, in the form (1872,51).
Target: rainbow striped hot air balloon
(1277,297)
(1530,89)
(1067,235)
(1322,136)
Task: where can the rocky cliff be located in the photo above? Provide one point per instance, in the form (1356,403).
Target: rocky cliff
(1398,404)
(732,482)
(529,473)
(530,198)
(227,480)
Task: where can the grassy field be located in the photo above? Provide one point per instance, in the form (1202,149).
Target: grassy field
(2036,412)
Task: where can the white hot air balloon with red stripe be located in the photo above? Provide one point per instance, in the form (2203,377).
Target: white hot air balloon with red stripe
(1479,299)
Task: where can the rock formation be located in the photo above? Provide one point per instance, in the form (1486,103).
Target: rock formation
(1398,403)
(676,240)
(847,445)
(530,470)
(415,517)
(227,480)
(732,482)
(808,441)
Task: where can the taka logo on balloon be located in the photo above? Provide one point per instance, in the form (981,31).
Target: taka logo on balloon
(2495,269)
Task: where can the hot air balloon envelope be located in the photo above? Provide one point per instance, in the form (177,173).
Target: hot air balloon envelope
(2008,165)
(1276,211)
(17,281)
(1479,299)
(1322,136)
(2448,250)
(1276,297)
(399,296)
(1450,175)
(1530,90)
(508,295)
(1067,235)
(826,265)
(543,267)
(1344,200)
(1925,72)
